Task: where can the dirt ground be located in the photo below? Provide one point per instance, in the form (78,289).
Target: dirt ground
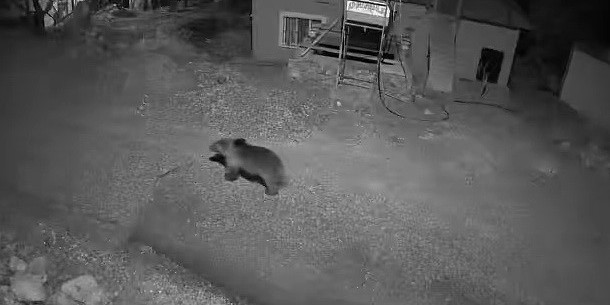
(480,209)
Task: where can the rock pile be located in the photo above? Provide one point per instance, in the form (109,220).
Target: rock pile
(27,282)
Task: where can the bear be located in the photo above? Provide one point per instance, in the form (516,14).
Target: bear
(253,163)
(218,158)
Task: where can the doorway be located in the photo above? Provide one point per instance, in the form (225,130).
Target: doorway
(490,65)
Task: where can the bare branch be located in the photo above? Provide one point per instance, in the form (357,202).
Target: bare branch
(37,6)
(54,20)
(49,6)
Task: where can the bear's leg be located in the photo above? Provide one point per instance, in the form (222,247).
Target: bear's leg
(231,173)
(271,189)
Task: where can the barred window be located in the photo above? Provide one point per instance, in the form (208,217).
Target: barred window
(296,27)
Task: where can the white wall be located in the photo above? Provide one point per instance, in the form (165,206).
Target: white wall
(266,23)
(472,37)
(410,15)
(419,48)
(586,87)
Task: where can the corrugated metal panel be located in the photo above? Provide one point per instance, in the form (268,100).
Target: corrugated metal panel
(442,54)
(586,89)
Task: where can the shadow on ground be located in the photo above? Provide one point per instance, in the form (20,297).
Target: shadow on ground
(170,226)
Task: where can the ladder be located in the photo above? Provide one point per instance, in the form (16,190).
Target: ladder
(366,14)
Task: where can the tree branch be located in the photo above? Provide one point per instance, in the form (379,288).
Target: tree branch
(49,6)
(37,6)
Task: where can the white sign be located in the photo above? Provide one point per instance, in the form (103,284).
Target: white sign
(368,8)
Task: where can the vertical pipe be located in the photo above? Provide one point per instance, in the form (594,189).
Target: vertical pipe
(341,45)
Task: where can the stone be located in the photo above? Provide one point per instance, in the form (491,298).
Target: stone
(60,298)
(4,290)
(295,74)
(222,79)
(38,266)
(85,290)
(28,287)
(7,297)
(4,270)
(16,264)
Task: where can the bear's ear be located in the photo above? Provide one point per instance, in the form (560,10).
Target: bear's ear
(239,141)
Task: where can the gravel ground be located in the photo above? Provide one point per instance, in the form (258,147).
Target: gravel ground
(316,241)
(364,241)
(313,222)
(227,104)
(135,276)
(354,239)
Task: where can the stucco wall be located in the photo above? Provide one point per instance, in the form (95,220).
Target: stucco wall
(472,37)
(410,14)
(419,49)
(586,89)
(266,23)
(447,7)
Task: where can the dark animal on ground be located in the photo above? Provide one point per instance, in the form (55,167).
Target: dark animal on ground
(253,163)
(218,158)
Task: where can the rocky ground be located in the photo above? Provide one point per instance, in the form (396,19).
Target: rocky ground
(379,210)
(87,143)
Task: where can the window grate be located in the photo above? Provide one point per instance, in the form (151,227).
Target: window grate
(297,29)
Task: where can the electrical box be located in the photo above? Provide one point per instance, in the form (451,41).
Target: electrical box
(374,12)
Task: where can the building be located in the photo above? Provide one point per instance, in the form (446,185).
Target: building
(585,84)
(451,40)
(278,26)
(466,42)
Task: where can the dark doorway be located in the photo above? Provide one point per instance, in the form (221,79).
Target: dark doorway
(364,38)
(490,65)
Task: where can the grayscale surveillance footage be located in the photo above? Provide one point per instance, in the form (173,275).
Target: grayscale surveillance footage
(304,152)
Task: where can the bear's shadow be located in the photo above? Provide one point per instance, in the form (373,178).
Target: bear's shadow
(218,158)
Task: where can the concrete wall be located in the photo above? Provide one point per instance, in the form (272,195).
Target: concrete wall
(441,73)
(586,88)
(419,49)
(266,23)
(410,15)
(447,7)
(472,37)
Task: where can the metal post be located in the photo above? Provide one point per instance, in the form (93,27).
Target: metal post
(343,63)
(341,47)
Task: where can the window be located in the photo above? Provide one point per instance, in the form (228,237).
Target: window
(295,27)
(490,65)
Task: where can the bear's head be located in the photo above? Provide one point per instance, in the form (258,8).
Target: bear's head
(223,145)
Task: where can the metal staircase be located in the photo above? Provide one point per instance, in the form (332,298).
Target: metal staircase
(366,14)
